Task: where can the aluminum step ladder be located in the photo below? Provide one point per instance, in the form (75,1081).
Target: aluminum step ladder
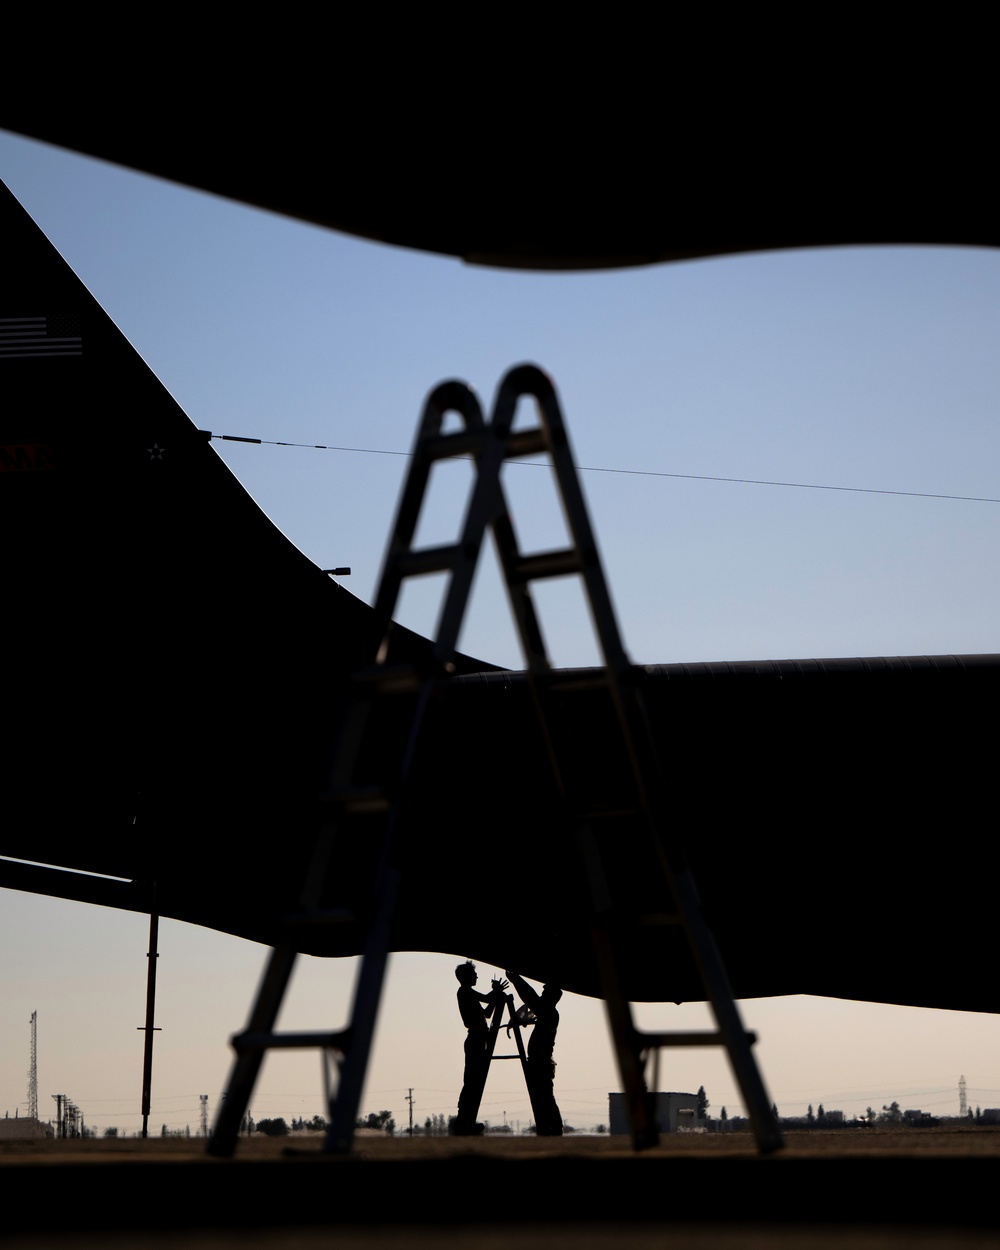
(513,1024)
(490,446)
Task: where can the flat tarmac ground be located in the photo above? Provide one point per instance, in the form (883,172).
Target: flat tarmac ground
(861,1189)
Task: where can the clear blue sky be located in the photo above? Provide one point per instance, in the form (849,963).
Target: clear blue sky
(872,368)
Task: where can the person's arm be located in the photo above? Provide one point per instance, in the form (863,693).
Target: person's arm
(528,995)
(495,996)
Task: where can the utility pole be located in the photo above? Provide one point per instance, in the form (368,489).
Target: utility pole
(203,1098)
(69,1114)
(963,1105)
(33,1070)
(147,1028)
(409,1099)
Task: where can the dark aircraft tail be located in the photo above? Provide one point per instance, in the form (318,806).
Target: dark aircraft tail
(171,658)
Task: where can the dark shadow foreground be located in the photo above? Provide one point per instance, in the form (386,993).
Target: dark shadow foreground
(859,1183)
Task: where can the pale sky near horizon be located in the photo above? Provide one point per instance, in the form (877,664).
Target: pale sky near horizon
(862,367)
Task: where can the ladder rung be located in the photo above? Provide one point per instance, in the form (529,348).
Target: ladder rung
(428,560)
(699,1037)
(323,1039)
(363,800)
(389,678)
(527,442)
(588,814)
(461,443)
(569,680)
(505,1056)
(547,564)
(320,915)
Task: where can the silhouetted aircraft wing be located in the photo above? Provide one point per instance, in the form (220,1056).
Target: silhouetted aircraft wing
(545,149)
(174,666)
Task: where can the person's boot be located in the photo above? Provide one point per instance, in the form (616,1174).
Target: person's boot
(460,1129)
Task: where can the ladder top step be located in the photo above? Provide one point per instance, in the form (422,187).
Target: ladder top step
(471,442)
(458,443)
(322,1039)
(527,442)
(696,1037)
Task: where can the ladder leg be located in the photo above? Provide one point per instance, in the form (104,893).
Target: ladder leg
(246,1066)
(648,800)
(727,1017)
(624,1037)
(364,1015)
(374,961)
(529,1085)
(537,1110)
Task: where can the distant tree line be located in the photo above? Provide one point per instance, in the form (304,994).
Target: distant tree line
(891,1115)
(382,1121)
(433,1126)
(280,1127)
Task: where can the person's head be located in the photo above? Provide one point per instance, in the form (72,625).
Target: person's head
(466,973)
(551,994)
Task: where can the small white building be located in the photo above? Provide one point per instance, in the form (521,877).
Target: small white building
(673,1111)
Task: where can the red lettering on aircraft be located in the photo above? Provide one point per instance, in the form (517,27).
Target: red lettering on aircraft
(25,457)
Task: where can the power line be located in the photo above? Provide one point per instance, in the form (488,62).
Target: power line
(585,468)
(752,481)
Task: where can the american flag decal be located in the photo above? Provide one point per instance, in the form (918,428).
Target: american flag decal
(27,337)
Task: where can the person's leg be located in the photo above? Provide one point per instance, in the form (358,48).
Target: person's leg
(472,1088)
(548,1121)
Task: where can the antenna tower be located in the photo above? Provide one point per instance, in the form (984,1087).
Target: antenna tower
(203,1098)
(963,1105)
(33,1070)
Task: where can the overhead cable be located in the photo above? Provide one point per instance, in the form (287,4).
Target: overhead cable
(585,468)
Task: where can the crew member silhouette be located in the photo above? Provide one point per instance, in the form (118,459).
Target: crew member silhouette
(477,1062)
(541,1069)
